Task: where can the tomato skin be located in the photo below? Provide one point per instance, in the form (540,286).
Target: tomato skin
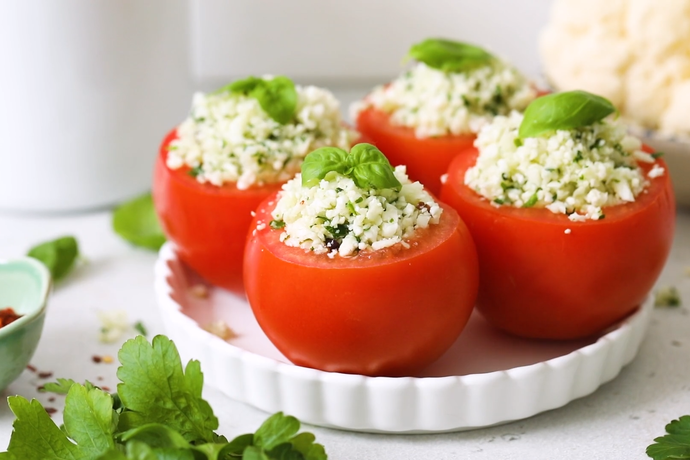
(390,313)
(207,224)
(537,281)
(427,159)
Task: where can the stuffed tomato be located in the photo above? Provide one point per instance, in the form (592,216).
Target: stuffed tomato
(572,225)
(432,112)
(347,271)
(237,147)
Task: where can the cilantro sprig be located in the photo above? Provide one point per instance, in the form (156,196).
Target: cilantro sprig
(158,413)
(365,165)
(277,96)
(675,444)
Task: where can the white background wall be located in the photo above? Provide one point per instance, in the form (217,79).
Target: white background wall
(344,42)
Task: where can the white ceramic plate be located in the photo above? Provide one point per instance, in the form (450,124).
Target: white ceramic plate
(486,378)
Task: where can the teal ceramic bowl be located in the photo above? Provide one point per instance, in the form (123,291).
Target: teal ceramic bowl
(24,286)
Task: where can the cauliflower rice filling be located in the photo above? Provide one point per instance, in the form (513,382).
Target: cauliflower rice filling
(574,172)
(230,138)
(437,103)
(337,217)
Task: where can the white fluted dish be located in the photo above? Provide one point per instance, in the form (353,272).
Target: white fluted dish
(486,378)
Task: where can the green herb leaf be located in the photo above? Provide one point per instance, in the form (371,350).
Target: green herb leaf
(90,419)
(140,328)
(531,202)
(277,96)
(450,56)
(568,110)
(58,255)
(35,436)
(365,164)
(60,387)
(277,429)
(674,445)
(322,161)
(156,435)
(136,222)
(277,224)
(371,169)
(155,389)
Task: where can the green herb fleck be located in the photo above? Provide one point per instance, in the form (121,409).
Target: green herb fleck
(195,171)
(667,297)
(338,232)
(58,255)
(518,142)
(657,155)
(140,328)
(277,224)
(531,202)
(136,222)
(499,201)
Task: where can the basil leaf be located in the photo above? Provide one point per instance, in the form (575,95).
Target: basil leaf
(322,161)
(58,255)
(569,110)
(278,98)
(371,169)
(136,222)
(450,56)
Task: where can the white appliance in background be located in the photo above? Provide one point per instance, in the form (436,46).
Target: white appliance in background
(87,91)
(353,42)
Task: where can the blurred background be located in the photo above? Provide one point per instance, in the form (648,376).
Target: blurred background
(89,88)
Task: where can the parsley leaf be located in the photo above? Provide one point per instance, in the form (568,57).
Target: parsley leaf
(58,255)
(136,222)
(674,445)
(90,419)
(60,387)
(155,389)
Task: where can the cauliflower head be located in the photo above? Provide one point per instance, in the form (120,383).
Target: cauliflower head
(634,52)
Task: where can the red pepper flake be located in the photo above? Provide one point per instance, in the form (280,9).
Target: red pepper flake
(31,368)
(51,399)
(7,316)
(40,388)
(45,375)
(105,388)
(51,410)
(96,359)
(99,378)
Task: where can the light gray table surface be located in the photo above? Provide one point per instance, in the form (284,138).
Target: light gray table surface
(617,422)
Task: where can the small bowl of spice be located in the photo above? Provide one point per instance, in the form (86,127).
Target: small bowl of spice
(24,287)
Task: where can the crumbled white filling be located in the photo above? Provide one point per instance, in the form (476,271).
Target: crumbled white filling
(656,171)
(230,138)
(437,103)
(574,172)
(337,217)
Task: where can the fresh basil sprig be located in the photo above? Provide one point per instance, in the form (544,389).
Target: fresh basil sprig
(365,165)
(450,56)
(277,96)
(568,110)
(58,255)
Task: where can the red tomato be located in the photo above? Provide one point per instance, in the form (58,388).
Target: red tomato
(208,224)
(427,159)
(388,312)
(538,281)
